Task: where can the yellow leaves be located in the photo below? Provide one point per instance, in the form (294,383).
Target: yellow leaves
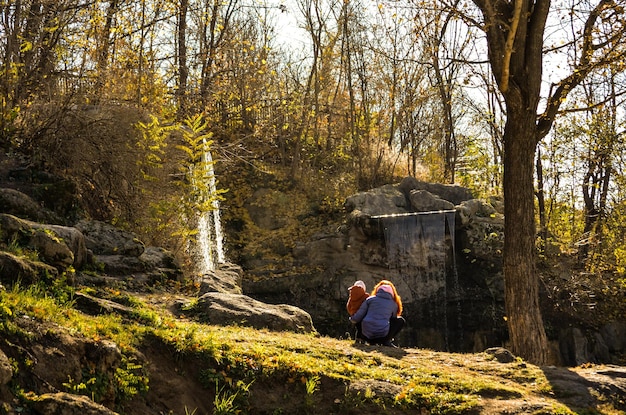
(26,46)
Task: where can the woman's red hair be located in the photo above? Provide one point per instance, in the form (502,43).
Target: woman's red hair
(396,297)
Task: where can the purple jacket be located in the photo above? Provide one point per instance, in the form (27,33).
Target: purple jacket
(375,313)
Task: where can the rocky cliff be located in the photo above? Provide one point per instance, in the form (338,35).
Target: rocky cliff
(442,248)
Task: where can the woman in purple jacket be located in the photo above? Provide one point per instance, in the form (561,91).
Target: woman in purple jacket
(380,315)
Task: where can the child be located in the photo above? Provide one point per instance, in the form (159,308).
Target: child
(358,294)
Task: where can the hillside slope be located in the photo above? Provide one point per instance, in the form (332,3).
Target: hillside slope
(154,360)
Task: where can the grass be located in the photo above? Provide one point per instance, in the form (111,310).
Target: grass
(238,357)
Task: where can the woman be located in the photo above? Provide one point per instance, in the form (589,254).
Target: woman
(380,315)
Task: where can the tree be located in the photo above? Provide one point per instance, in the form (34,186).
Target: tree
(447,42)
(214,29)
(183,68)
(30,49)
(602,151)
(515,39)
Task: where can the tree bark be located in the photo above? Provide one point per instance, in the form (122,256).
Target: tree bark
(515,56)
(526,331)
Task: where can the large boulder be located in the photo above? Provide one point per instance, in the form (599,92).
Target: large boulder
(60,246)
(19,204)
(424,201)
(384,200)
(105,239)
(121,254)
(160,261)
(452,193)
(23,271)
(226,278)
(238,309)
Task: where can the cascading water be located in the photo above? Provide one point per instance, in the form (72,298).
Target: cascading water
(419,246)
(210,240)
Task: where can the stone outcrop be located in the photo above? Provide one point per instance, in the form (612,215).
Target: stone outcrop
(56,245)
(105,239)
(452,296)
(238,309)
(121,256)
(62,403)
(459,308)
(17,269)
(16,203)
(226,278)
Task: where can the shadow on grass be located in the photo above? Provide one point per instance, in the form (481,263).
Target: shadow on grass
(586,394)
(395,352)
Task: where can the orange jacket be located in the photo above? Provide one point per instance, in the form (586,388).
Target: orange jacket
(356,298)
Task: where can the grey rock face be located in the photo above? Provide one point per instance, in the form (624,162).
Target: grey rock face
(238,309)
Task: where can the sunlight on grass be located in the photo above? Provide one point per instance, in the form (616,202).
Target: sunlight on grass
(235,357)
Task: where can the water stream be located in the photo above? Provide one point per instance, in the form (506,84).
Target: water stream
(210,240)
(420,247)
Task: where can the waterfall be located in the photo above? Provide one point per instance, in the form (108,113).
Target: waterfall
(417,248)
(210,239)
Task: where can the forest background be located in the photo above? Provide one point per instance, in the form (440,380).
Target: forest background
(125,98)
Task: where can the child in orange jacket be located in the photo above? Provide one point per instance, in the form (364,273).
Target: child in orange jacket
(358,294)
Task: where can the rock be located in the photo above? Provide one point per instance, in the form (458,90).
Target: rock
(501,354)
(60,357)
(75,241)
(161,262)
(378,389)
(470,209)
(104,355)
(156,257)
(480,245)
(424,201)
(60,246)
(614,335)
(52,250)
(227,309)
(24,271)
(6,370)
(154,264)
(97,306)
(16,203)
(573,345)
(105,239)
(452,193)
(383,200)
(599,350)
(227,278)
(120,265)
(62,403)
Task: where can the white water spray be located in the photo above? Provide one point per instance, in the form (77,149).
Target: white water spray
(210,240)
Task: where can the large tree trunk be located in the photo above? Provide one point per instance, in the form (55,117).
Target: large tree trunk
(515,55)
(526,331)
